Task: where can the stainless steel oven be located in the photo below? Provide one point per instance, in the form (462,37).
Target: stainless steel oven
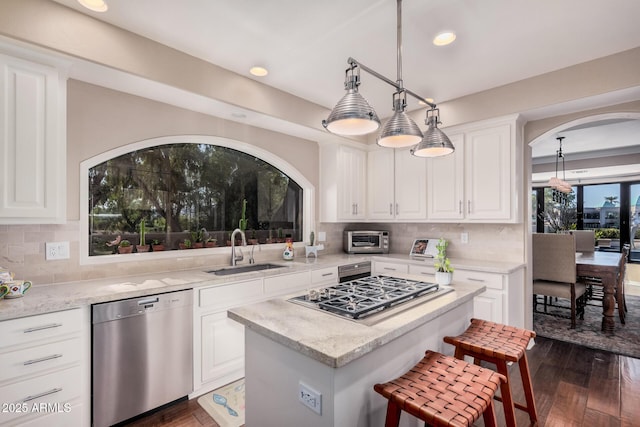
(354,271)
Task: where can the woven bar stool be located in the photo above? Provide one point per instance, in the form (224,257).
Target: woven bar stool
(442,391)
(500,344)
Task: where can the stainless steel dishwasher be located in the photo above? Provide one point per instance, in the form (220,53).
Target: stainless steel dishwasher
(142,354)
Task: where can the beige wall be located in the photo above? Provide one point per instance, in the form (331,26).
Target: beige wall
(100,119)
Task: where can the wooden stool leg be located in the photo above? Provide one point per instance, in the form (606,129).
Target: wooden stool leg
(505,392)
(489,416)
(523,364)
(393,415)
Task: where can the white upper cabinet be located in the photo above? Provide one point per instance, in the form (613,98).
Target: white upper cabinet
(480,181)
(32,142)
(343,178)
(397,186)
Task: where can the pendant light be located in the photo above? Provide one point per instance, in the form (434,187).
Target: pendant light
(434,143)
(353,115)
(560,188)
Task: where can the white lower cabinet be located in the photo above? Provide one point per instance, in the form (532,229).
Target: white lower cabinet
(45,375)
(502,301)
(222,347)
(218,340)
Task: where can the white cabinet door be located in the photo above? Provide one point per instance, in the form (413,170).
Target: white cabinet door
(479,182)
(397,185)
(352,183)
(32,143)
(222,346)
(343,183)
(380,184)
(489,306)
(488,173)
(410,186)
(445,183)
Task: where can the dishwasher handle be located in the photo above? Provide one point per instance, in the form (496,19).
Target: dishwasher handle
(148,301)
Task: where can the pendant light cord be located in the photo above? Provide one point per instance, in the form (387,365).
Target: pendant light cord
(399,41)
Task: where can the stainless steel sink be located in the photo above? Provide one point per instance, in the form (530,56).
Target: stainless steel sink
(244,269)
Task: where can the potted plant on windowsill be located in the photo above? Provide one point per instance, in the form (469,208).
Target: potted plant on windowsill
(143,247)
(444,271)
(125,247)
(157,246)
(185,244)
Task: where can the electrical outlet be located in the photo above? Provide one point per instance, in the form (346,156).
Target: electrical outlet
(464,237)
(322,236)
(310,398)
(56,250)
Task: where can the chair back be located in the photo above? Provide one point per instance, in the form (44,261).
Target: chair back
(554,257)
(585,240)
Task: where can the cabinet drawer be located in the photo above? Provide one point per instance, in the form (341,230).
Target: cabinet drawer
(40,327)
(286,283)
(490,280)
(322,275)
(55,389)
(36,359)
(390,268)
(427,272)
(233,293)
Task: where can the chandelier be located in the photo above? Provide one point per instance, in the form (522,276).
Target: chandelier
(560,187)
(353,115)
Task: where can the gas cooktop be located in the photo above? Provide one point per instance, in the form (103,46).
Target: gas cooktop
(363,297)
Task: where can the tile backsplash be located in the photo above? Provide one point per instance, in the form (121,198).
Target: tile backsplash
(22,249)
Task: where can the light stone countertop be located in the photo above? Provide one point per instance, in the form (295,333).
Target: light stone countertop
(336,341)
(42,299)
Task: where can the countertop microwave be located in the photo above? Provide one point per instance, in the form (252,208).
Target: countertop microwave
(366,242)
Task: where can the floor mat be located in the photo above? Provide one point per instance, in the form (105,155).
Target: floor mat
(625,340)
(226,404)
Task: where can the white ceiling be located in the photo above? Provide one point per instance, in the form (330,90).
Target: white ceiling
(305,44)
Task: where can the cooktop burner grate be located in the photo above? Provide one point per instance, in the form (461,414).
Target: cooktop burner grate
(362,297)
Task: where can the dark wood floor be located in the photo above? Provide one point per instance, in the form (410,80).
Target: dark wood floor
(573,386)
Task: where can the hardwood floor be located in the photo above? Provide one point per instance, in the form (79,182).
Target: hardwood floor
(573,386)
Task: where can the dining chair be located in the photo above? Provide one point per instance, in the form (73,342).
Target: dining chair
(554,272)
(585,240)
(620,295)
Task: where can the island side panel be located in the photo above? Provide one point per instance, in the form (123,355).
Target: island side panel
(273,372)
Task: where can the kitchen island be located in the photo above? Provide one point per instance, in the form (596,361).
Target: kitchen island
(288,345)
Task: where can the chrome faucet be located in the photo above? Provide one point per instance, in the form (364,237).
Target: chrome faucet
(251,260)
(235,258)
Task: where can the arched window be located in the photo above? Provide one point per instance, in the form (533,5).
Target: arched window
(187,193)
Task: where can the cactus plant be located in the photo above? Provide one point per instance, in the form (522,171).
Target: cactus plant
(242,224)
(143,232)
(312,238)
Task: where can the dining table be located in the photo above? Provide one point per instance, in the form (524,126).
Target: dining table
(605,266)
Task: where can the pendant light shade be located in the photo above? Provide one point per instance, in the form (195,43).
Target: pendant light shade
(400,130)
(352,115)
(435,143)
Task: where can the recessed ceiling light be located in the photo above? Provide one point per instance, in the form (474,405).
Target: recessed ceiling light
(258,71)
(95,5)
(444,38)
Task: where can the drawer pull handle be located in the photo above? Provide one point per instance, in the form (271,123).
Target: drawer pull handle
(390,268)
(40,328)
(473,279)
(45,393)
(42,359)
(327,274)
